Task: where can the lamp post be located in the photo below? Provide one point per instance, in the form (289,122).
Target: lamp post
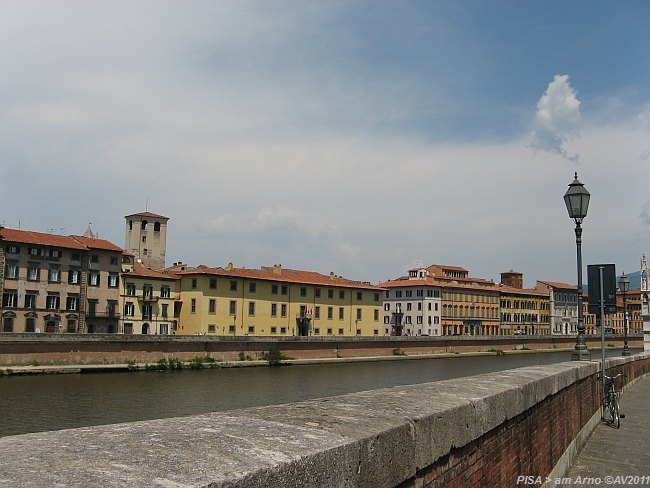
(624,286)
(577,201)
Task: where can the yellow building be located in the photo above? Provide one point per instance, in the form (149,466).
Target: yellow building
(524,311)
(147,301)
(275,301)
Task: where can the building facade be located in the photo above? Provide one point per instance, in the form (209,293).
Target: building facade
(147,299)
(275,301)
(53,283)
(412,305)
(563,306)
(524,311)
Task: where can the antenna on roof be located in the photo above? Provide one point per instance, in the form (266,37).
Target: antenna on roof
(146,205)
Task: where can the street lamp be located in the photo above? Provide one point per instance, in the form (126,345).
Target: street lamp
(624,286)
(577,201)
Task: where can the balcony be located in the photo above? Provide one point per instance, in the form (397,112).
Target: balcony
(148,298)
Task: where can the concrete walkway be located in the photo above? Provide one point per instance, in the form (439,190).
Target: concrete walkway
(623,452)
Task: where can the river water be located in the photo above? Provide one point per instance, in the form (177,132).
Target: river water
(61,401)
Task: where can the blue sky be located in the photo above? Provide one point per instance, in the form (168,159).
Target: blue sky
(355,137)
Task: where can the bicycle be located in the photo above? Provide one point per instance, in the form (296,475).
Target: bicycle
(610,409)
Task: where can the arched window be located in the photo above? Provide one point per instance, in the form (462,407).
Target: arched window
(156,227)
(144,224)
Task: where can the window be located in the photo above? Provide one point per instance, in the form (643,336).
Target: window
(193,283)
(375,332)
(376,297)
(284,289)
(231,329)
(341,313)
(30,324)
(212,306)
(213,283)
(330,313)
(144,238)
(409,293)
(317,331)
(111,308)
(317,292)
(329,331)
(359,296)
(165,308)
(30,300)
(251,308)
(11,271)
(33,273)
(274,289)
(113,260)
(53,275)
(130,289)
(387,307)
(398,294)
(13,250)
(283,330)
(72,302)
(52,302)
(129,309)
(252,287)
(274,310)
(419,293)
(112,281)
(212,327)
(233,285)
(358,331)
(358,314)
(283,310)
(156,226)
(33,251)
(317,312)
(251,329)
(7,324)
(73,276)
(420,306)
(418,319)
(146,312)
(93,278)
(193,305)
(330,293)
(76,256)
(94,258)
(92,307)
(341,295)
(10,299)
(164,329)
(408,307)
(233,307)
(340,331)
(303,291)
(376,315)
(147,292)
(274,330)
(386,320)
(165,292)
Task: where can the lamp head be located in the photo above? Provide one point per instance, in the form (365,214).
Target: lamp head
(577,200)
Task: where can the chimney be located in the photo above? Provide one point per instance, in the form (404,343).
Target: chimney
(277,269)
(229,267)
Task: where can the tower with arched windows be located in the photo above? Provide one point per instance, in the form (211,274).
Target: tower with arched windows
(146,238)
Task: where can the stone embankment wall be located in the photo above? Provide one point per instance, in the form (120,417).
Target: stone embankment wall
(73,349)
(484,430)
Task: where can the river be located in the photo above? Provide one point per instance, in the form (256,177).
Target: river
(61,401)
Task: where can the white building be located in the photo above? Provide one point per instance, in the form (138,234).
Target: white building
(412,305)
(645,304)
(563,306)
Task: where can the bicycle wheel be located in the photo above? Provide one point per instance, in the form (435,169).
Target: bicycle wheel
(616,414)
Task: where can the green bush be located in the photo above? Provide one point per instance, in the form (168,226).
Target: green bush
(398,352)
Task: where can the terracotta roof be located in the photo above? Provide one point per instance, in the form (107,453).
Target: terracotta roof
(39,238)
(147,214)
(102,244)
(140,271)
(285,276)
(557,284)
(443,266)
(403,283)
(522,291)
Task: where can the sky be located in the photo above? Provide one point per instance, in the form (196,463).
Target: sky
(359,137)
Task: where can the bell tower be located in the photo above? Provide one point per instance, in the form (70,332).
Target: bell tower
(146,238)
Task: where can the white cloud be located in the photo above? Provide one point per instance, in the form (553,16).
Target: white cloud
(558,118)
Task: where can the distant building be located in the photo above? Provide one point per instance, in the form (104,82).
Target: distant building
(275,301)
(146,238)
(524,311)
(53,283)
(147,301)
(563,306)
(412,305)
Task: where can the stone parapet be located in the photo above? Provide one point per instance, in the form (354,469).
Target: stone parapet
(483,430)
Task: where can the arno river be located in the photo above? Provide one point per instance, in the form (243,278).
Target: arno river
(51,402)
